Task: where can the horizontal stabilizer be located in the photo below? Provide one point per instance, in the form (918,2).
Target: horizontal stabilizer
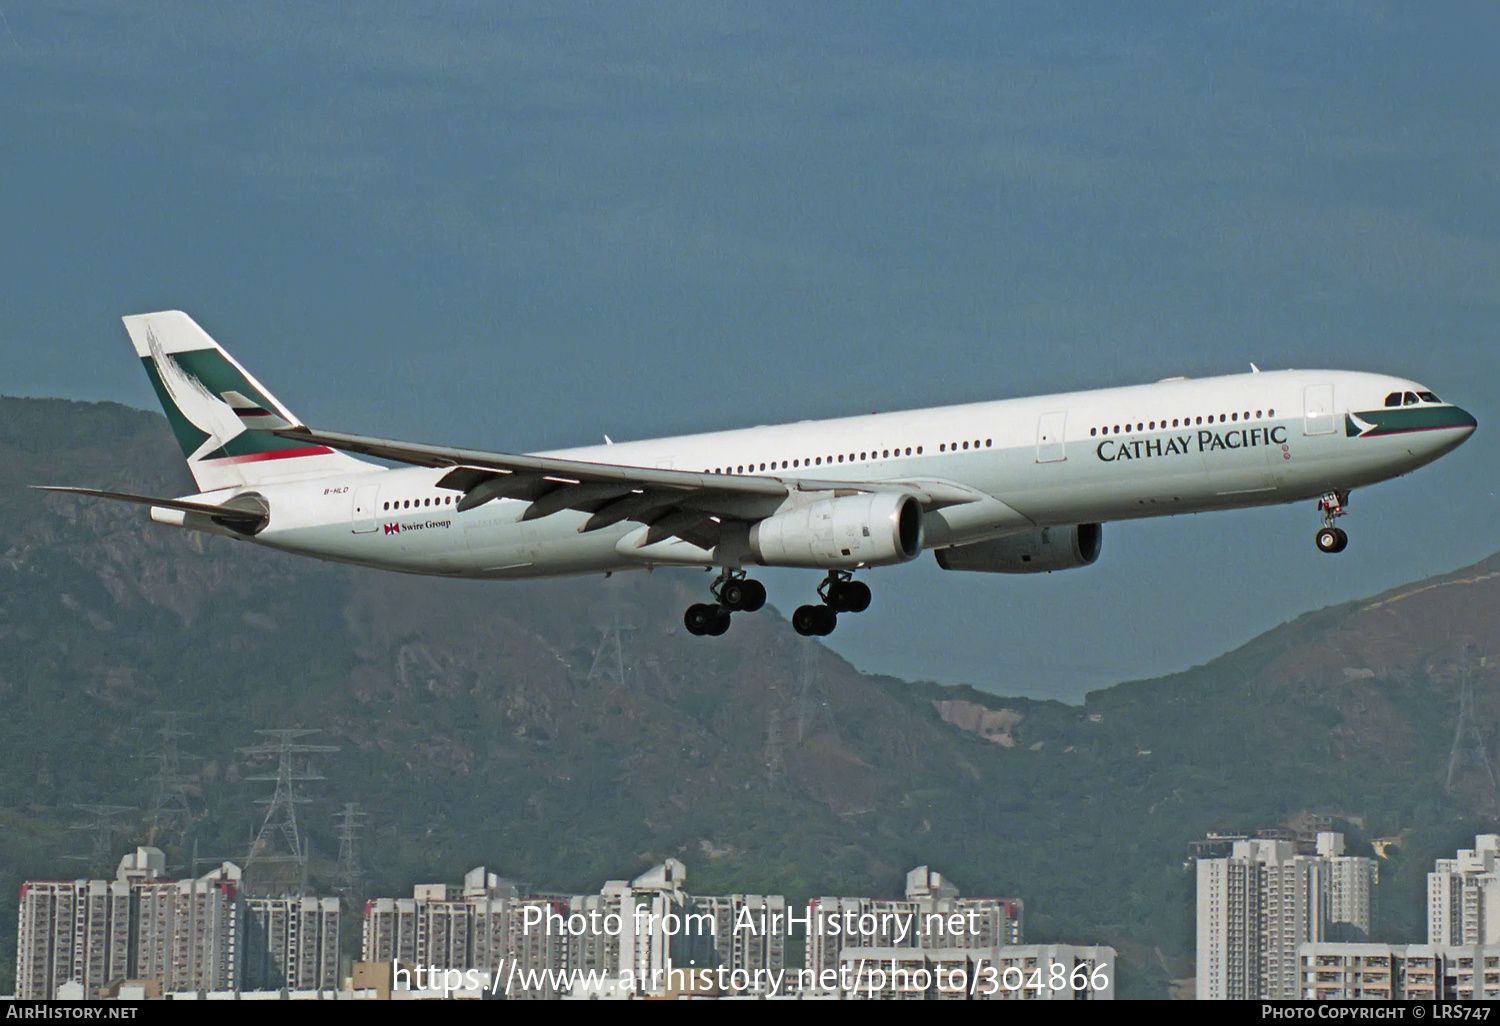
(250,516)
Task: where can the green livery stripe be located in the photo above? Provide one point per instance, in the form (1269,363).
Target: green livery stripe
(188,436)
(1400,420)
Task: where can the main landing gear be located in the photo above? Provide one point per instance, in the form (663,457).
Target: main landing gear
(734,592)
(840,594)
(1330,538)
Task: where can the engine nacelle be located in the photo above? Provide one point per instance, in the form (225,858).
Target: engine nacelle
(869,529)
(1040,551)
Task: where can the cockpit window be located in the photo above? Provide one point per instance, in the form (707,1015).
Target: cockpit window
(1428,397)
(1410,399)
(1394,399)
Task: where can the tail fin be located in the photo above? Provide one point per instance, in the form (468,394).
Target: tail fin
(216,408)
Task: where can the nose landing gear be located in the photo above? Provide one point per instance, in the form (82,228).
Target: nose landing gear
(1330,538)
(735,593)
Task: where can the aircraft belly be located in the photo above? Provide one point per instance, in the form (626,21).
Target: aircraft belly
(500,545)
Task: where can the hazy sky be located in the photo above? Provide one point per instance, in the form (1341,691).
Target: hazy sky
(516,230)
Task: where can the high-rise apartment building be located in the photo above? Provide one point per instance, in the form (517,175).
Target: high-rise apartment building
(75,930)
(187,931)
(1256,907)
(542,944)
(1463,896)
(182,933)
(933,915)
(290,943)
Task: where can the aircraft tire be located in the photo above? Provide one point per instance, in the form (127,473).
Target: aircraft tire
(828,619)
(754,597)
(699,618)
(720,622)
(732,594)
(807,619)
(1331,539)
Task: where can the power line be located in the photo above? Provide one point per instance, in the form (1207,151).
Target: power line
(273,868)
(102,827)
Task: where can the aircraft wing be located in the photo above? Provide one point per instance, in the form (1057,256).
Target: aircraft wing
(677,503)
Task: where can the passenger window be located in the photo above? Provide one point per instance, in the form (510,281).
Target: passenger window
(388,505)
(819,461)
(988,442)
(966,445)
(1234,416)
(919,450)
(943,447)
(1394,399)
(1093,432)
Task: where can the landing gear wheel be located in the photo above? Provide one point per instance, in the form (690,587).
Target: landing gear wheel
(743,594)
(1332,539)
(814,621)
(755,596)
(699,618)
(827,621)
(720,622)
(849,596)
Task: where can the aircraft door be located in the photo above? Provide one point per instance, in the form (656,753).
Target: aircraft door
(1317,412)
(362,512)
(1049,437)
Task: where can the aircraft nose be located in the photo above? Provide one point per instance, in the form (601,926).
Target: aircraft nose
(1456,427)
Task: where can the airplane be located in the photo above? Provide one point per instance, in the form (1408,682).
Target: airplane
(1014,486)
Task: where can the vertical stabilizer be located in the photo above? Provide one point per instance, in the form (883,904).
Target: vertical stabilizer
(220,413)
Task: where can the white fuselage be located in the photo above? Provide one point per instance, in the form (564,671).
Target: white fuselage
(1177,446)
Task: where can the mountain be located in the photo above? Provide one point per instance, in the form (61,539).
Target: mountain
(471,728)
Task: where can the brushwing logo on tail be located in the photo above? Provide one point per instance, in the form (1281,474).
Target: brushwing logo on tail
(235,424)
(194,401)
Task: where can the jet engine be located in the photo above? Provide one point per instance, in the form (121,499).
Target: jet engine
(1040,551)
(868,529)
